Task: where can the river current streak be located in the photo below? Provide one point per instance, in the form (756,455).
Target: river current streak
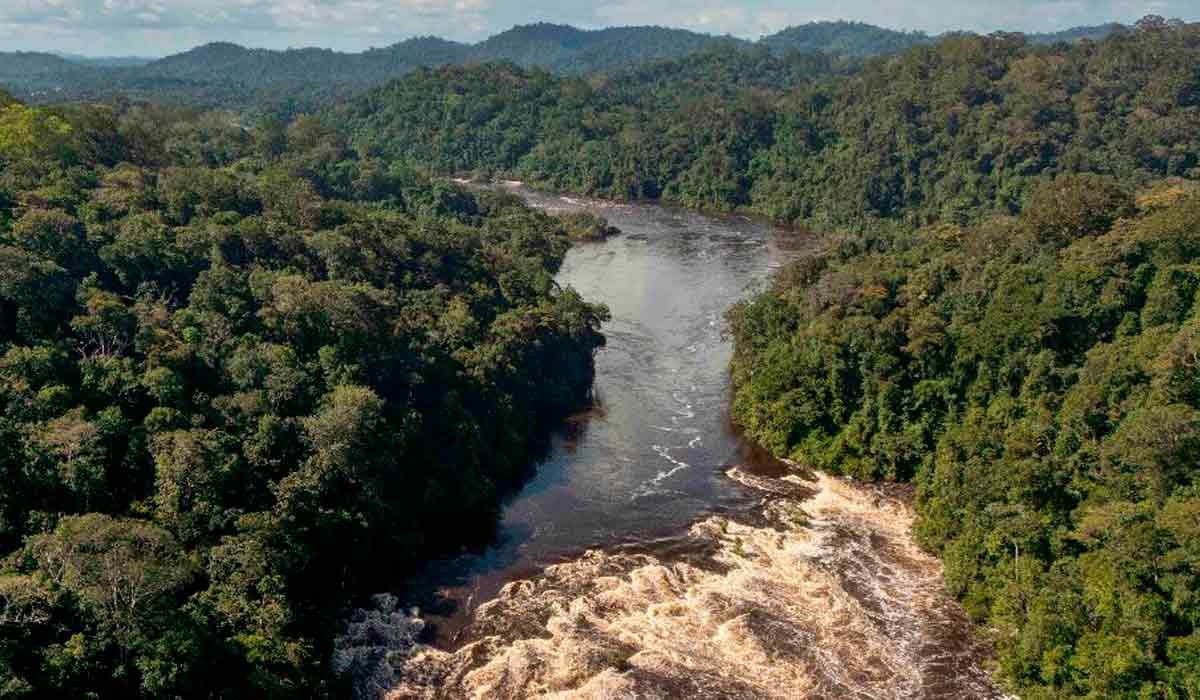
(653,555)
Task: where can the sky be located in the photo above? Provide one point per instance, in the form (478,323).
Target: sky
(161,27)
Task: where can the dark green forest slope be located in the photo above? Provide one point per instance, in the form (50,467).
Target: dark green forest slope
(846,38)
(950,131)
(246,376)
(1001,320)
(864,40)
(683,130)
(1037,378)
(237,362)
(230,76)
(1035,375)
(224,75)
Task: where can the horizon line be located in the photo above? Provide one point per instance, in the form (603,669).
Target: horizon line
(68,55)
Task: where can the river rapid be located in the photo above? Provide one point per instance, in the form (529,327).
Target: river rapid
(653,554)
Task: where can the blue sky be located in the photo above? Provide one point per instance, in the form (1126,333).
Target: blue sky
(157,27)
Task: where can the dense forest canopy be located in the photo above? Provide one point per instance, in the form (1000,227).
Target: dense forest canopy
(950,131)
(683,130)
(847,38)
(1036,377)
(247,376)
(224,75)
(239,357)
(865,40)
(228,75)
(1000,319)
(1033,374)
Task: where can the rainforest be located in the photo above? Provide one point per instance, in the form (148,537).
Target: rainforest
(845,362)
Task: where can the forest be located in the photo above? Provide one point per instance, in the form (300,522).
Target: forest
(1035,376)
(952,131)
(1014,333)
(1003,312)
(287,83)
(236,366)
(284,83)
(243,352)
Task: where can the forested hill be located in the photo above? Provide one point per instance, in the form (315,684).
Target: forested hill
(847,38)
(1093,33)
(1023,350)
(864,40)
(558,48)
(565,49)
(227,75)
(954,130)
(108,61)
(1037,379)
(224,75)
(220,61)
(247,377)
(25,72)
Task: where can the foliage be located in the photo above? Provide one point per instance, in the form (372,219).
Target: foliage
(952,131)
(237,363)
(26,133)
(1036,377)
(967,127)
(245,379)
(227,76)
(849,38)
(680,130)
(224,75)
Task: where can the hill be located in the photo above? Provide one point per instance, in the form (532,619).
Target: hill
(848,38)
(565,49)
(247,379)
(23,71)
(229,76)
(107,61)
(865,40)
(1092,33)
(219,61)
(955,130)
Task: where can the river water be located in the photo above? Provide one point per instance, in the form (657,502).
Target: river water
(653,554)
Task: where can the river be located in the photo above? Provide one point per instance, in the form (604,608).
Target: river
(653,554)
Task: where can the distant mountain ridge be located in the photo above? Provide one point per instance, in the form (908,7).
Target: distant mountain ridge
(108,61)
(559,48)
(864,40)
(224,73)
(847,38)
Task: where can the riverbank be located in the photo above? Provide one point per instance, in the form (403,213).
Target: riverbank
(639,533)
(547,189)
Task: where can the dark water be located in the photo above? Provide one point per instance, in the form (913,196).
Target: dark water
(649,460)
(654,555)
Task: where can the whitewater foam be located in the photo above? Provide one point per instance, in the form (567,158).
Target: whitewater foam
(820,593)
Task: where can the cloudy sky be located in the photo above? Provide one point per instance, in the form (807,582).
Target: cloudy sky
(158,27)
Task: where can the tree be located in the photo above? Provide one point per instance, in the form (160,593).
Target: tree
(27,133)
(125,572)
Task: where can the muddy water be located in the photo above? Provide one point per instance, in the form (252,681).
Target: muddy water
(654,556)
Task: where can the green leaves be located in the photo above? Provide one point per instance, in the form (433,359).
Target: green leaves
(1047,404)
(28,133)
(1075,205)
(122,571)
(237,391)
(955,130)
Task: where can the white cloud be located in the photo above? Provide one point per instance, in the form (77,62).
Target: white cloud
(164,26)
(752,18)
(319,22)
